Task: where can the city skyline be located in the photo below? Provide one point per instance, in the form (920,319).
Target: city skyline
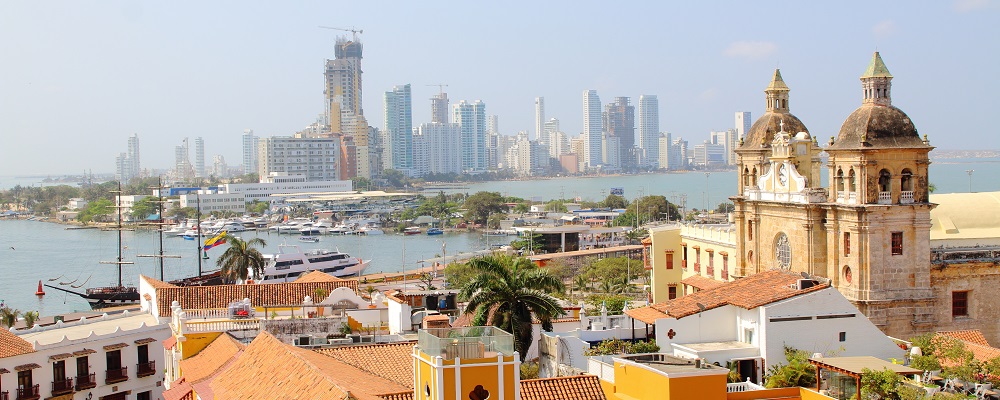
(262,67)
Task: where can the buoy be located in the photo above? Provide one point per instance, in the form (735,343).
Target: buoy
(40,292)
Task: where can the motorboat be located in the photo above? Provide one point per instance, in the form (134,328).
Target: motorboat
(291,262)
(370,230)
(434,231)
(413,230)
(309,239)
(314,228)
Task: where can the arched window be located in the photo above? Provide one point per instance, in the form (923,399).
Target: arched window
(746,177)
(851,182)
(906,181)
(753,177)
(749,230)
(840,180)
(884,181)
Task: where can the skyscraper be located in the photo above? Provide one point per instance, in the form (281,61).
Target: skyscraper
(199,157)
(399,129)
(343,84)
(439,108)
(619,122)
(743,122)
(540,135)
(649,130)
(591,129)
(133,156)
(472,118)
(442,155)
(182,161)
(250,144)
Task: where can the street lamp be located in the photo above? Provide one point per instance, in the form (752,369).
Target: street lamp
(970,171)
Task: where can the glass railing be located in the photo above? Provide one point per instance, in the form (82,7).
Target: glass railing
(466,343)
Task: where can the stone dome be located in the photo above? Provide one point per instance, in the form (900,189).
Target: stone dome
(762,132)
(878,126)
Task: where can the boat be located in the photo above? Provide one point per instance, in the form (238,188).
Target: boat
(314,228)
(434,231)
(291,262)
(411,231)
(309,239)
(370,230)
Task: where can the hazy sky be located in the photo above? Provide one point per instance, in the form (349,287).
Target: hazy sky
(78,77)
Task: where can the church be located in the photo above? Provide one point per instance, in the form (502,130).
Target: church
(868,234)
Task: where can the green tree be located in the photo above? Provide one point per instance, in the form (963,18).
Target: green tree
(522,208)
(252,177)
(30,317)
(510,291)
(394,178)
(532,240)
(724,208)
(96,210)
(144,208)
(797,371)
(613,303)
(240,257)
(257,207)
(556,206)
(882,384)
(614,201)
(457,275)
(361,183)
(8,316)
(481,205)
(618,346)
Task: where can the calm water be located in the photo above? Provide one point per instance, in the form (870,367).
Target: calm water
(43,251)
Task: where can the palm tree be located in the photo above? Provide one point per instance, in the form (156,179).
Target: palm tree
(241,257)
(8,316)
(581,284)
(507,292)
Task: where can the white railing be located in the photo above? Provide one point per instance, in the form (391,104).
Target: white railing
(852,196)
(604,371)
(206,313)
(884,198)
(841,195)
(743,387)
(906,197)
(221,325)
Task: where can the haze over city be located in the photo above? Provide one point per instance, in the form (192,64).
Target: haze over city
(79,78)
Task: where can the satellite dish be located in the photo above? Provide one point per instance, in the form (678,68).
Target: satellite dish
(805,274)
(701,306)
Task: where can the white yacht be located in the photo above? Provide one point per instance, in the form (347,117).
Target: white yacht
(291,262)
(314,228)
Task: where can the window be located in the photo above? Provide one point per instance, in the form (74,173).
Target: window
(59,370)
(24,380)
(147,395)
(959,304)
(670,260)
(843,336)
(82,366)
(749,230)
(847,244)
(671,292)
(748,336)
(897,243)
(782,251)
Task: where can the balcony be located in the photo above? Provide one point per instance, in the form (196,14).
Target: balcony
(884,198)
(697,268)
(710,270)
(145,369)
(88,381)
(906,197)
(62,386)
(466,343)
(28,393)
(116,375)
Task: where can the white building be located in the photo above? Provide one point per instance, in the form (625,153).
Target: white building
(398,129)
(199,157)
(540,135)
(219,167)
(250,145)
(592,125)
(283,184)
(750,321)
(316,158)
(649,130)
(182,161)
(126,203)
(442,152)
(708,154)
(743,122)
(472,119)
(611,152)
(421,162)
(215,201)
(102,357)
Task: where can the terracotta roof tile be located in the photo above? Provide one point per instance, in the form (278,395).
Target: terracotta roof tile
(155,283)
(318,276)
(12,345)
(971,336)
(275,367)
(210,359)
(580,387)
(197,297)
(408,395)
(648,315)
(701,282)
(179,390)
(751,292)
(392,361)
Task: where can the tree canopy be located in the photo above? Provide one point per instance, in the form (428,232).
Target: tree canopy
(479,206)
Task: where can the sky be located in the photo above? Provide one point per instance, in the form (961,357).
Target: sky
(77,78)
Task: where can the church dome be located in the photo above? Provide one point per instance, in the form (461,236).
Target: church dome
(761,133)
(877,126)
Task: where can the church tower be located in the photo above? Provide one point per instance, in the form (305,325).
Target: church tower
(878,221)
(472,363)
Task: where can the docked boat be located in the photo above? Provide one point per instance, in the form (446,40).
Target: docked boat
(309,239)
(411,231)
(314,228)
(291,262)
(434,231)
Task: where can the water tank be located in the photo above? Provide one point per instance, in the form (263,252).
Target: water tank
(431,302)
(442,303)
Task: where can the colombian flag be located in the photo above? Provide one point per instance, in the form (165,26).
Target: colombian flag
(215,241)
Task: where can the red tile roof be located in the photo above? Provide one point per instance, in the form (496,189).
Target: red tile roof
(971,336)
(974,341)
(751,292)
(318,276)
(701,282)
(392,361)
(580,387)
(210,359)
(198,297)
(407,395)
(12,345)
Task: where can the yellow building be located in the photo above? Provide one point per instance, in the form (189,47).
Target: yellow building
(475,363)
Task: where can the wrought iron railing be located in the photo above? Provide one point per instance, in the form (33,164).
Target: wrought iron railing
(116,375)
(28,393)
(145,369)
(86,381)
(62,386)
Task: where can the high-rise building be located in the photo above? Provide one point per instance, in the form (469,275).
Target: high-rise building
(619,122)
(743,122)
(492,124)
(123,168)
(399,129)
(315,159)
(442,155)
(219,167)
(133,156)
(472,119)
(663,162)
(199,157)
(540,135)
(578,146)
(611,152)
(439,108)
(493,152)
(182,161)
(343,84)
(591,129)
(250,144)
(557,142)
(710,154)
(649,130)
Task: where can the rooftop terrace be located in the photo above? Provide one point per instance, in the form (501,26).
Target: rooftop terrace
(466,343)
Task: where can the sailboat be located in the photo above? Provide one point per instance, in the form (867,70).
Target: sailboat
(100,297)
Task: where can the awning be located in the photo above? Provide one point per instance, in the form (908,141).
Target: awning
(4,371)
(115,346)
(25,367)
(145,341)
(854,366)
(84,352)
(61,356)
(169,343)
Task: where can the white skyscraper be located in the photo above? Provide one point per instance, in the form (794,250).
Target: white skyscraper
(442,154)
(540,135)
(399,129)
(133,156)
(199,157)
(250,145)
(743,122)
(592,128)
(474,139)
(314,159)
(649,130)
(219,167)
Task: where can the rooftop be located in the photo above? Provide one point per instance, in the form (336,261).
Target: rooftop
(717,346)
(671,365)
(202,297)
(855,365)
(12,345)
(466,343)
(53,334)
(951,219)
(579,387)
(392,361)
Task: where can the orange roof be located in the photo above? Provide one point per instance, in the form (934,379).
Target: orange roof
(155,283)
(392,361)
(12,345)
(213,357)
(647,240)
(407,395)
(391,295)
(196,297)
(318,276)
(648,315)
(701,282)
(971,336)
(580,387)
(748,293)
(275,367)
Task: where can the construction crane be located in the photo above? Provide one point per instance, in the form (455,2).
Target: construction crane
(353,31)
(441,86)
